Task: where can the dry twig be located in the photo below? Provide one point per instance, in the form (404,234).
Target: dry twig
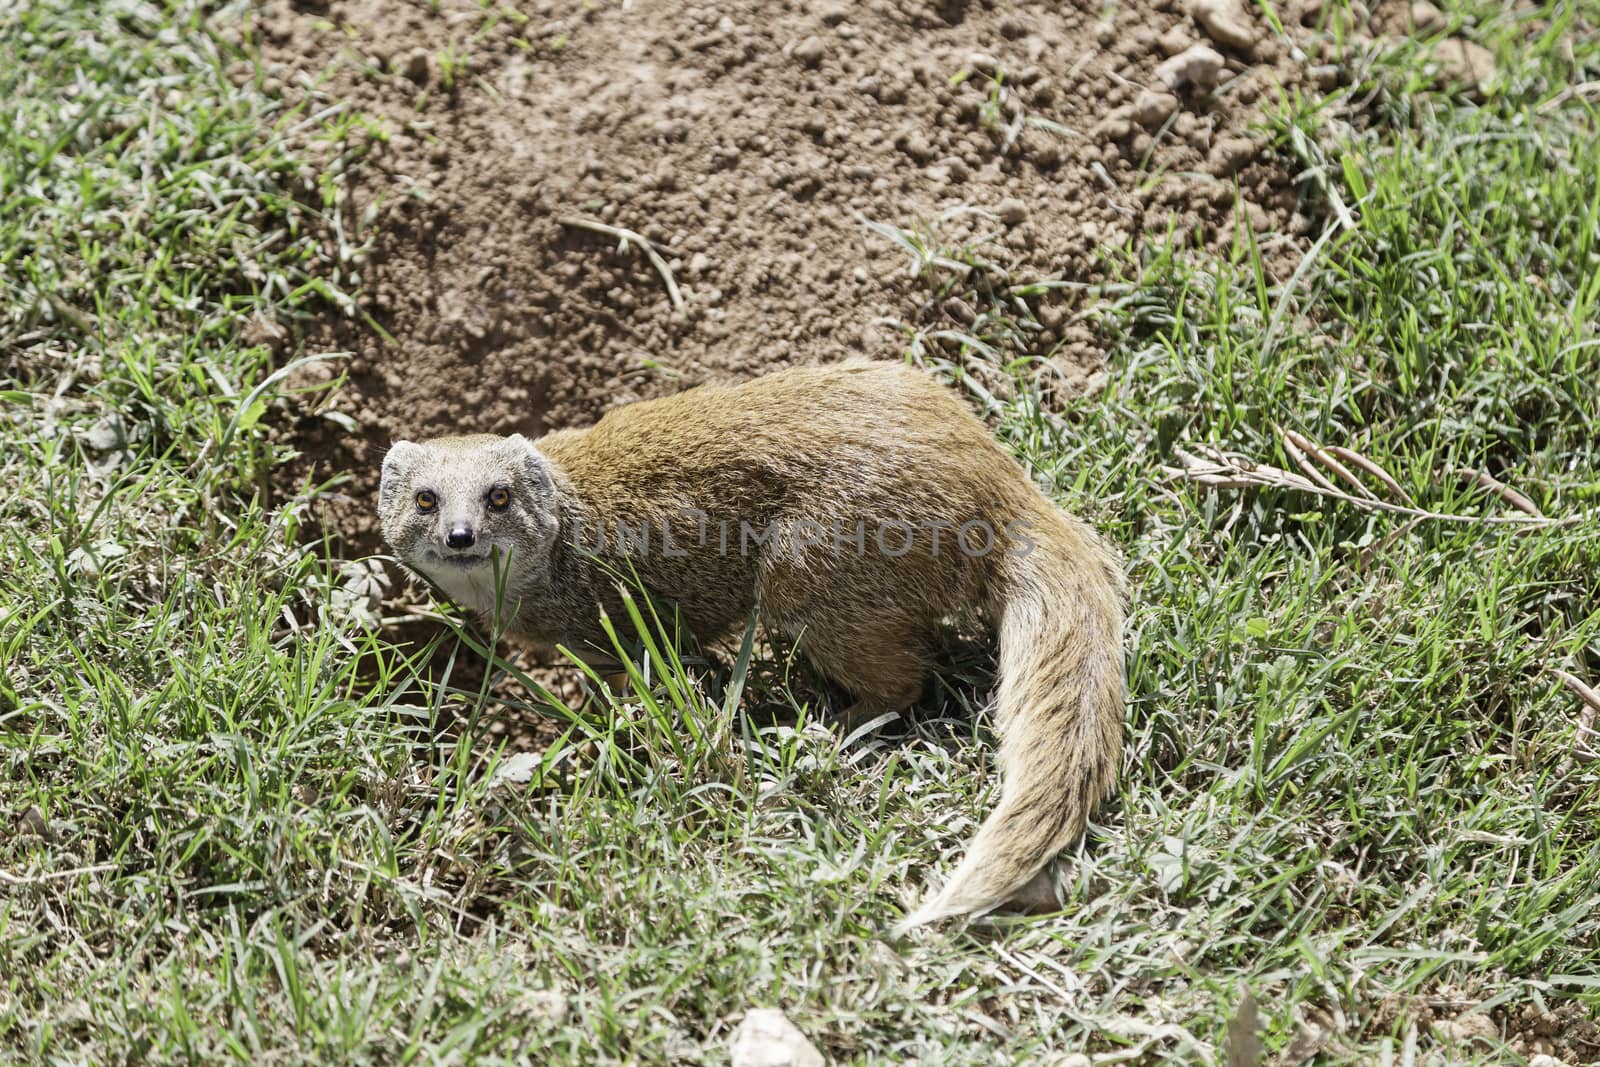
(626,237)
(1212,468)
(1502,490)
(1297,447)
(1586,742)
(1356,459)
(1584,90)
(54,876)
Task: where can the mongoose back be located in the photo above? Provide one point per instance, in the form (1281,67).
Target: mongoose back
(856,508)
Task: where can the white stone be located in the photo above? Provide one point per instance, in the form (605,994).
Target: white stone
(516,769)
(1200,66)
(1426,17)
(767,1039)
(1226,22)
(1467,1029)
(1464,62)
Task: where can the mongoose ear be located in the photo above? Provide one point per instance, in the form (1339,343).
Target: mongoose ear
(401,457)
(534,466)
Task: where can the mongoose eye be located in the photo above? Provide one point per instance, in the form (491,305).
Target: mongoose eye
(499,498)
(427,500)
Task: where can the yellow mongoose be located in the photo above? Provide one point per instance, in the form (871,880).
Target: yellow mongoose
(855,507)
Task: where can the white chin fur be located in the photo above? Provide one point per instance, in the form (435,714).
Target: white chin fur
(469,581)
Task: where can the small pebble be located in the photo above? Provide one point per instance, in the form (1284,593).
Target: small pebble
(1199,66)
(1425,17)
(1174,41)
(983,63)
(810,51)
(1115,125)
(1226,23)
(1012,211)
(1151,108)
(1231,153)
(415,65)
(916,146)
(1464,62)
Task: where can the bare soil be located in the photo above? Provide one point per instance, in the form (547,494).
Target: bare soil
(751,140)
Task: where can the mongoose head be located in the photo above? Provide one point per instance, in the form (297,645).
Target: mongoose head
(457,508)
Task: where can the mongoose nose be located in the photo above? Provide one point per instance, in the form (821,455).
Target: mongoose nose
(460,537)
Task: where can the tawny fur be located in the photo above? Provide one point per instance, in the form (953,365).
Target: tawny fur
(856,442)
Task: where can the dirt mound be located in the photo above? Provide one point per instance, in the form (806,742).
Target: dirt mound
(751,141)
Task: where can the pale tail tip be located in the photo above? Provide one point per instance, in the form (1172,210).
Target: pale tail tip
(919,918)
(935,910)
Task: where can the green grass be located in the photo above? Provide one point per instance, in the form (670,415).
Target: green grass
(237,828)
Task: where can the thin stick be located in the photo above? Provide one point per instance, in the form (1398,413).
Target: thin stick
(1502,490)
(1216,470)
(54,876)
(1321,455)
(1371,467)
(81,321)
(1294,444)
(1586,742)
(626,237)
(1584,89)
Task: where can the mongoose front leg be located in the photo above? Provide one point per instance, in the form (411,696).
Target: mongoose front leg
(865,710)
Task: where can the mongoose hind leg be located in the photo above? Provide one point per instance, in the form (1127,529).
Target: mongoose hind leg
(882,665)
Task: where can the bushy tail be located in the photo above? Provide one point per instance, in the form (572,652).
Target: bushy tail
(1058,712)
